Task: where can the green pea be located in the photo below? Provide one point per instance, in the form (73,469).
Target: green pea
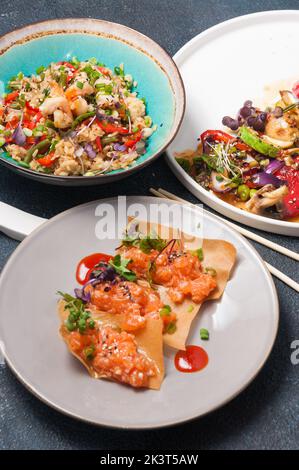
(243,192)
(70,325)
(82,325)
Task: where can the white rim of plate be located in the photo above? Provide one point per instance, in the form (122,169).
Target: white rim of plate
(64,411)
(181,54)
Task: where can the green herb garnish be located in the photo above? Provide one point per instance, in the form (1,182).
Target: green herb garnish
(120,265)
(198,253)
(78,318)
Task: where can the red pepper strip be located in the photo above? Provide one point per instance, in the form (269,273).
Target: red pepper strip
(291,200)
(46,161)
(131,142)
(99,143)
(11,96)
(38,117)
(70,66)
(220,136)
(110,128)
(29,124)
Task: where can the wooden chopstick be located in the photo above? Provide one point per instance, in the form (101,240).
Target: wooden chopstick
(246,233)
(274,246)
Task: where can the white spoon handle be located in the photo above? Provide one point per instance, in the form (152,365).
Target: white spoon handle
(17,224)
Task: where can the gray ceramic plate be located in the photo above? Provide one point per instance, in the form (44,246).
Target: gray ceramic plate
(242,325)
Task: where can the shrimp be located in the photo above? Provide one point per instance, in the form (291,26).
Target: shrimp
(74,95)
(60,108)
(58,105)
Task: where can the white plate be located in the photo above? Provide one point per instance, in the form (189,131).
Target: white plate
(242,328)
(221,68)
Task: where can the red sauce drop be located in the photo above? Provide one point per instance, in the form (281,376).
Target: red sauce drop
(87,264)
(193,359)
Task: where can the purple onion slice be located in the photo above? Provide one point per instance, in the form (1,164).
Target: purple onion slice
(18,136)
(263,178)
(90,151)
(274,166)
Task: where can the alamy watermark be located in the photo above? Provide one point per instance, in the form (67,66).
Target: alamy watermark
(174,217)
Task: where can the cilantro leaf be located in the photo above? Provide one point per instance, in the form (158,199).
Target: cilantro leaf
(120,265)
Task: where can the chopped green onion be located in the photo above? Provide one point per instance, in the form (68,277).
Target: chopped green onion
(119,71)
(50,124)
(40,69)
(204,334)
(198,253)
(93,61)
(148,121)
(2,141)
(79,85)
(89,352)
(27,132)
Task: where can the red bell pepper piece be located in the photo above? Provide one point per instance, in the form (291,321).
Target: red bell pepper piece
(220,136)
(11,96)
(68,64)
(31,109)
(291,200)
(38,117)
(47,160)
(103,70)
(110,128)
(132,142)
(99,143)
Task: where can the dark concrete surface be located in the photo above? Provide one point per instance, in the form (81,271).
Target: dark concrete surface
(266,414)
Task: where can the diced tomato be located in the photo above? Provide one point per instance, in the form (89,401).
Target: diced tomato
(11,96)
(47,160)
(110,128)
(99,143)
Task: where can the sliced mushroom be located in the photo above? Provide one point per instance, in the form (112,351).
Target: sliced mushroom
(279,132)
(266,197)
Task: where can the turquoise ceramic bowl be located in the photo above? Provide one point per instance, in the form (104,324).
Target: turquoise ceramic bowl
(158,78)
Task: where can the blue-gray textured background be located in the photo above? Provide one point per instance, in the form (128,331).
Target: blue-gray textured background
(266,414)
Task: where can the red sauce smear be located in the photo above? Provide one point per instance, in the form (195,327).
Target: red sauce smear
(193,359)
(87,264)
